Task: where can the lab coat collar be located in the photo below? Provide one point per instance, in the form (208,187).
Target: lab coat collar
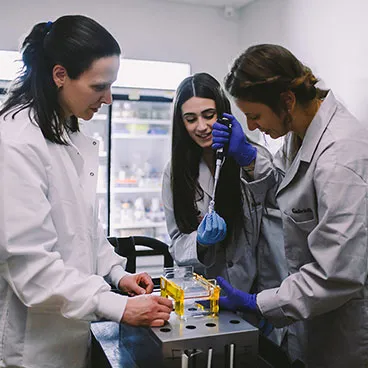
(205,178)
(311,139)
(317,127)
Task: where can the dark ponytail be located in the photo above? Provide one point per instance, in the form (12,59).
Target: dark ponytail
(74,42)
(35,87)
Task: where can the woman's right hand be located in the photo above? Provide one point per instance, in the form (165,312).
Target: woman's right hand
(239,148)
(147,310)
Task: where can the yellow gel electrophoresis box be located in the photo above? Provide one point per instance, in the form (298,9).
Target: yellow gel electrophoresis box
(193,295)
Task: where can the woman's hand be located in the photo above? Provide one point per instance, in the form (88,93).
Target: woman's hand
(236,300)
(136,284)
(147,310)
(212,229)
(239,148)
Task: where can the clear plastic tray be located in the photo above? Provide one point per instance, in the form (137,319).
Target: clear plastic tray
(193,294)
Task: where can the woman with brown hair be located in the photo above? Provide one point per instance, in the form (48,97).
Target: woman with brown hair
(319,181)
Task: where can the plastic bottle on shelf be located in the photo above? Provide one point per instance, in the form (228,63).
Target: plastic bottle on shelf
(155,177)
(155,114)
(122,174)
(126,213)
(144,180)
(157,131)
(127,111)
(139,174)
(139,210)
(156,212)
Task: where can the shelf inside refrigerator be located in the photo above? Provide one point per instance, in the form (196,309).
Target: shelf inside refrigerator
(139,136)
(140,225)
(141,121)
(125,190)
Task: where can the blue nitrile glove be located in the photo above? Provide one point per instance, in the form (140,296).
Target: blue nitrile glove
(239,148)
(236,300)
(212,229)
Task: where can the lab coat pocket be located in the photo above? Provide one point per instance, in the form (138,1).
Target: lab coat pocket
(304,218)
(300,215)
(297,228)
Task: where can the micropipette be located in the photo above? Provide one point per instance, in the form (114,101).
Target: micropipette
(220,159)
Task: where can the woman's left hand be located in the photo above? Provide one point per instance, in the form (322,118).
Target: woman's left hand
(136,284)
(236,300)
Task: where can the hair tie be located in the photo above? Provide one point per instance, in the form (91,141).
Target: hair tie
(48,26)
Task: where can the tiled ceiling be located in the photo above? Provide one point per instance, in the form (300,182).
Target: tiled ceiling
(216,3)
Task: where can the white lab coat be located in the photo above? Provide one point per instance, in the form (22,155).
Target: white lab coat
(323,198)
(54,258)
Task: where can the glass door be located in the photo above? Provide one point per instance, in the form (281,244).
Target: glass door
(140,149)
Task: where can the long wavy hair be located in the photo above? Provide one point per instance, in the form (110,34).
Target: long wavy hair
(186,156)
(73,41)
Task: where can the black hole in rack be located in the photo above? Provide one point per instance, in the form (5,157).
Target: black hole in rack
(165,329)
(210,324)
(192,309)
(190,327)
(234,321)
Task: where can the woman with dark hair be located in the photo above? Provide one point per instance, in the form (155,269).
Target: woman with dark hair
(243,257)
(319,181)
(55,262)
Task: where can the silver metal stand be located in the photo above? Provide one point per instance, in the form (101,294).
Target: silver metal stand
(226,341)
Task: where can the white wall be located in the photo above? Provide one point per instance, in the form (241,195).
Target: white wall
(145,29)
(330,36)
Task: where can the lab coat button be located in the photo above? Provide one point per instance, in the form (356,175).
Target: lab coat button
(94,143)
(230,264)
(91,173)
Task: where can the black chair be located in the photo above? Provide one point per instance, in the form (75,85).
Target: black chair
(126,247)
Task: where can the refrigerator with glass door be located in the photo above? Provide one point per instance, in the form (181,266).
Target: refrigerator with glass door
(140,148)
